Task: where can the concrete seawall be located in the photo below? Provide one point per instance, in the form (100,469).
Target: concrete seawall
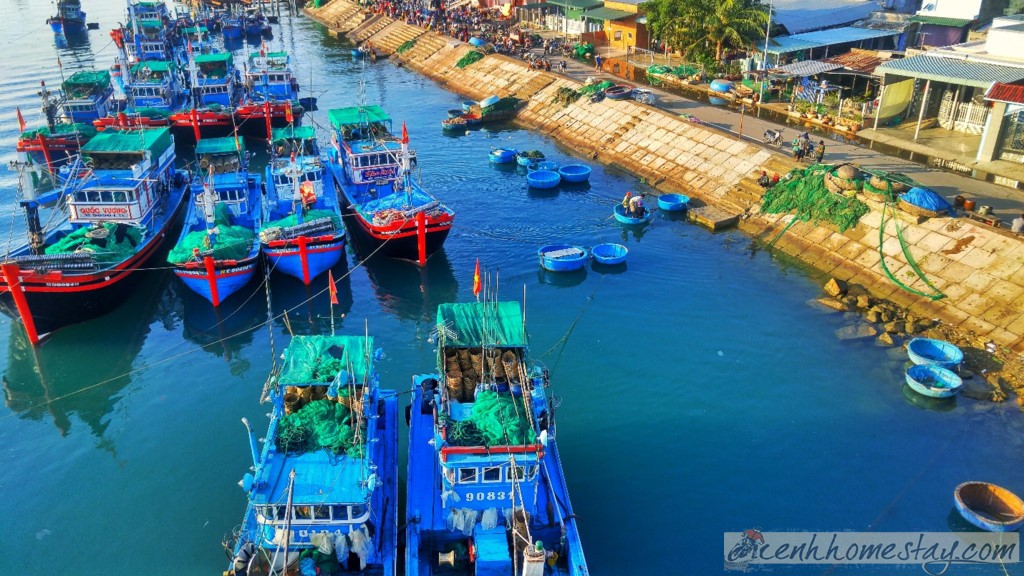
(980,269)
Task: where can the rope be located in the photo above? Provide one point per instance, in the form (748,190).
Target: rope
(936,294)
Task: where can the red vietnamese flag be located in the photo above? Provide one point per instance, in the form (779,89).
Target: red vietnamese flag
(332,287)
(405,140)
(476,279)
(21,120)
(288,117)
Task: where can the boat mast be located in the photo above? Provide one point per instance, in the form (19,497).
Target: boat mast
(27,196)
(210,209)
(287,527)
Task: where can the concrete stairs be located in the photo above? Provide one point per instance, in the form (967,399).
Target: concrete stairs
(394,35)
(339,17)
(367,29)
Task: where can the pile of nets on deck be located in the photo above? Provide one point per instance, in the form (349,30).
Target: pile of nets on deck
(107,242)
(406,46)
(470,57)
(232,242)
(61,129)
(803,191)
(293,220)
(591,89)
(583,49)
(496,420)
(321,424)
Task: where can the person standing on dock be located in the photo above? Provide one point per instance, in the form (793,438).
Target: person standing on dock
(797,149)
(1017,226)
(598,60)
(820,151)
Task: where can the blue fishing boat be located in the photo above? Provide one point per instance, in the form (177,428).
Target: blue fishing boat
(323,493)
(232,27)
(562,257)
(87,95)
(620,216)
(69,20)
(543,179)
(609,254)
(218,250)
(120,211)
(933,380)
(619,92)
(932,351)
(155,87)
(270,98)
(486,489)
(302,233)
(502,155)
(54,145)
(989,507)
(574,173)
(212,96)
(148,31)
(386,211)
(673,202)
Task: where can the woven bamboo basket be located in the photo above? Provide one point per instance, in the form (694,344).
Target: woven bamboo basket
(831,185)
(919,211)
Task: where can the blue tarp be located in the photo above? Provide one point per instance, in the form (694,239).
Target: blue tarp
(925,198)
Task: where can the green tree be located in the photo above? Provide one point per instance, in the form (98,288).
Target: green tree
(701,29)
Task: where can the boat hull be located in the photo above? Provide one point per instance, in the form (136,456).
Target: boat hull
(305,258)
(989,507)
(673,202)
(396,242)
(609,254)
(937,352)
(933,381)
(225,280)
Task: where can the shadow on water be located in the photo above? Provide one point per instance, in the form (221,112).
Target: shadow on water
(411,292)
(575,186)
(225,330)
(562,279)
(542,192)
(64,377)
(302,309)
(608,268)
(928,403)
(636,231)
(506,168)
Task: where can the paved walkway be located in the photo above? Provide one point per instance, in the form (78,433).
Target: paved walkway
(1005,202)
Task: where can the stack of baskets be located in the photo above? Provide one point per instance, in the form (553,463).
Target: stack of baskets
(462,372)
(846,180)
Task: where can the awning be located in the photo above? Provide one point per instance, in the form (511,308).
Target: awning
(607,14)
(940,21)
(1009,93)
(804,69)
(822,38)
(952,70)
(862,61)
(578,4)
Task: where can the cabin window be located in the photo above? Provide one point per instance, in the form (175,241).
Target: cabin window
(120,196)
(449,474)
(516,473)
(94,196)
(359,512)
(277,512)
(531,472)
(492,474)
(618,34)
(302,513)
(467,475)
(339,512)
(321,512)
(80,197)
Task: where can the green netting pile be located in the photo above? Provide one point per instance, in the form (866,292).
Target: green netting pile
(591,89)
(470,57)
(86,130)
(565,96)
(658,69)
(319,359)
(888,184)
(293,220)
(685,70)
(406,46)
(803,192)
(106,249)
(505,104)
(582,50)
(320,424)
(533,154)
(233,242)
(496,421)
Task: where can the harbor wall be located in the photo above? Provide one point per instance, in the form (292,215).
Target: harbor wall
(980,269)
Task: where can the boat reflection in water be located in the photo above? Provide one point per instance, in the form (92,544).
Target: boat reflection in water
(409,291)
(225,330)
(306,309)
(63,380)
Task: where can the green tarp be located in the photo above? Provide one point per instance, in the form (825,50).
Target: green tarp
(293,220)
(292,133)
(87,78)
(318,359)
(356,115)
(225,145)
(105,249)
(270,55)
(150,24)
(156,140)
(483,324)
(217,57)
(86,130)
(153,66)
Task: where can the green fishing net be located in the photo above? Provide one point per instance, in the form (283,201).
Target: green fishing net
(113,245)
(321,424)
(496,420)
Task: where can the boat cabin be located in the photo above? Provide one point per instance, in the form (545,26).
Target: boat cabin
(130,171)
(370,155)
(151,43)
(215,79)
(87,95)
(198,37)
(288,173)
(298,140)
(268,76)
(155,10)
(155,84)
(223,162)
(220,155)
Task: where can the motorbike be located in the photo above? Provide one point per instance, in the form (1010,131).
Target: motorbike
(772,137)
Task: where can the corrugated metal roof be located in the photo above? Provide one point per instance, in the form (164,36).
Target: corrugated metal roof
(1009,93)
(804,68)
(607,14)
(940,21)
(954,71)
(581,4)
(821,38)
(804,15)
(864,61)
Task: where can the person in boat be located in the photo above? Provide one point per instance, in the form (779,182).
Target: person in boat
(308,195)
(636,206)
(764,181)
(625,203)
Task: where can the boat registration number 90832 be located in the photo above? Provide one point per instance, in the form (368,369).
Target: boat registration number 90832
(481,496)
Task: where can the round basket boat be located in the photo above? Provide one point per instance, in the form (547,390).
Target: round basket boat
(609,254)
(619,92)
(562,257)
(543,179)
(575,172)
(489,101)
(524,159)
(622,218)
(502,155)
(933,381)
(673,202)
(453,123)
(548,165)
(467,106)
(721,86)
(455,113)
(989,507)
(932,351)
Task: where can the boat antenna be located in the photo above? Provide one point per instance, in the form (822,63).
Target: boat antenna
(287,525)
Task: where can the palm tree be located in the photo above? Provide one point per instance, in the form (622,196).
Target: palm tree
(732,24)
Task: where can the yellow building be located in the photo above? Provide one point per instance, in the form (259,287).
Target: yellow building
(623,26)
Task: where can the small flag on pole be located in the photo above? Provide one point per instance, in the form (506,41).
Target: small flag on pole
(405,140)
(21,120)
(288,117)
(332,287)
(476,279)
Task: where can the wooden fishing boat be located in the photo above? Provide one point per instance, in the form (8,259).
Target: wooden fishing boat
(483,458)
(120,212)
(326,478)
(989,507)
(673,202)
(620,216)
(562,257)
(609,254)
(302,232)
(472,119)
(932,351)
(619,92)
(933,380)
(575,173)
(386,211)
(543,179)
(502,155)
(458,123)
(218,251)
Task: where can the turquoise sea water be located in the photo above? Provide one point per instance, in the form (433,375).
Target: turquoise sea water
(700,393)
